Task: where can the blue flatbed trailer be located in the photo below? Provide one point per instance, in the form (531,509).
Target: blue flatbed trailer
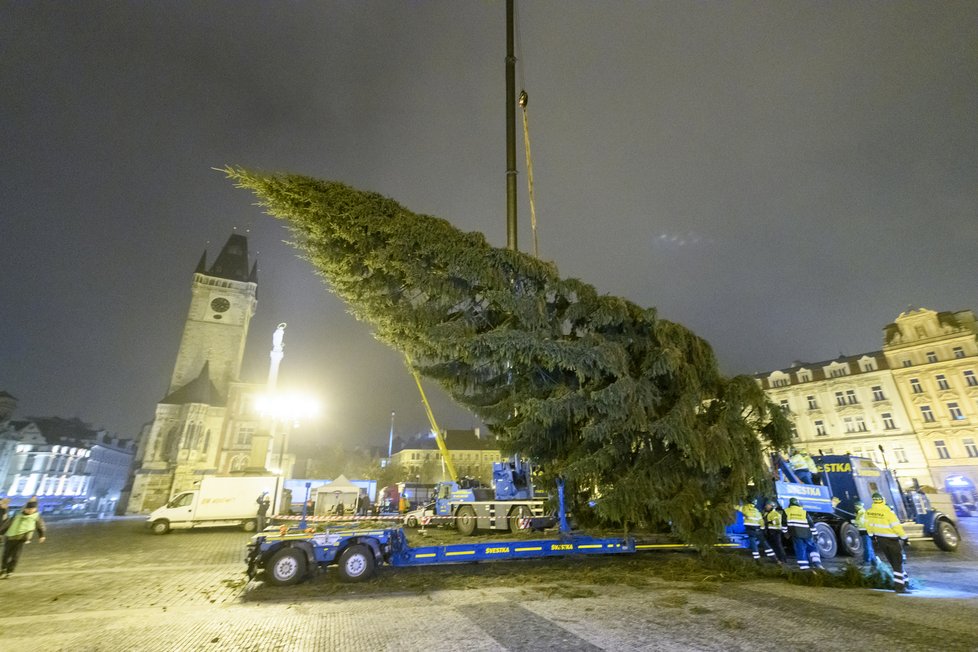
(287,557)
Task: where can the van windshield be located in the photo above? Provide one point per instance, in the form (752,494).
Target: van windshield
(181,500)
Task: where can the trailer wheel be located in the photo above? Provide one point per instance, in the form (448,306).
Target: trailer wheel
(850,540)
(356,563)
(160,527)
(946,535)
(516,515)
(249,526)
(287,566)
(825,539)
(465,520)
(412,521)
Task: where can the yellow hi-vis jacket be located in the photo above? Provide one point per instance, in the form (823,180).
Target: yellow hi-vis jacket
(752,517)
(772,520)
(800,524)
(798,462)
(860,520)
(882,522)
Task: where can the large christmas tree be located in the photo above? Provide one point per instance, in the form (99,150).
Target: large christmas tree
(629,409)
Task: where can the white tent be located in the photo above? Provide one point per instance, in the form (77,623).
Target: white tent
(339,490)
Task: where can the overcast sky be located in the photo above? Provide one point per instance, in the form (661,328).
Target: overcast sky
(784,178)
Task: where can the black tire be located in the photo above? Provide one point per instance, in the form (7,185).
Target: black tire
(828,545)
(249,526)
(850,541)
(946,536)
(357,563)
(286,567)
(411,521)
(465,520)
(516,514)
(160,527)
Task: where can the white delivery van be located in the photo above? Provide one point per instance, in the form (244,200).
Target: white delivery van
(217,501)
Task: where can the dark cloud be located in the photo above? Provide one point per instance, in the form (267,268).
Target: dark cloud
(811,166)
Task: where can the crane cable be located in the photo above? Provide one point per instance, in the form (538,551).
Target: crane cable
(523,101)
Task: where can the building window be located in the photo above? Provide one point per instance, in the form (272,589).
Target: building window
(942,382)
(869,366)
(955,411)
(840,398)
(812,403)
(969,377)
(969,446)
(804,378)
(854,424)
(820,428)
(851,397)
(878,393)
(931,356)
(888,422)
(907,363)
(927,413)
(785,407)
(860,424)
(839,371)
(900,454)
(915,386)
(245,433)
(941,449)
(958,352)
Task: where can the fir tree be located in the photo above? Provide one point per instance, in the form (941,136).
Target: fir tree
(628,408)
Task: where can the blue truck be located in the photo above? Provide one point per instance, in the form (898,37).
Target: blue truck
(848,478)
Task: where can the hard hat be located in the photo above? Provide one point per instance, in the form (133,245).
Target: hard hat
(858,503)
(794,501)
(877,497)
(769,503)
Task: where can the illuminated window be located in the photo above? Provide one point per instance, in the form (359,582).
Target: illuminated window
(915,386)
(931,356)
(969,377)
(878,393)
(958,352)
(927,413)
(820,428)
(941,449)
(812,403)
(888,422)
(969,446)
(900,454)
(942,382)
(955,411)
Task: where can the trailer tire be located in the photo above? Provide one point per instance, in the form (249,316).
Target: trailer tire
(287,566)
(946,536)
(825,541)
(411,521)
(356,563)
(850,540)
(516,515)
(465,520)
(249,526)
(161,526)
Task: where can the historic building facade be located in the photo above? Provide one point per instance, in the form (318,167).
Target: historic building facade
(206,422)
(917,398)
(472,455)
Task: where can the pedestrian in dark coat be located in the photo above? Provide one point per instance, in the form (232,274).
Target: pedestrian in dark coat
(263,504)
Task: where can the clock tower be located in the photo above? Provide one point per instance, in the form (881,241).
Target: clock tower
(223,301)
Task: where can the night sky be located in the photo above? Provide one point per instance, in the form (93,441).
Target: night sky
(784,178)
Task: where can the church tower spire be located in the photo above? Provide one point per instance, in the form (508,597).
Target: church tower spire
(223,301)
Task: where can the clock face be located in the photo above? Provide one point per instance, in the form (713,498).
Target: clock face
(220,304)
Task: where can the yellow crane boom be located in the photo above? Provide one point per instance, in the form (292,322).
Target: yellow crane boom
(434,426)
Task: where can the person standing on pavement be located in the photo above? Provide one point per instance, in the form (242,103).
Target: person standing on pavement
(773,528)
(802,531)
(869,556)
(263,504)
(886,530)
(19,531)
(752,527)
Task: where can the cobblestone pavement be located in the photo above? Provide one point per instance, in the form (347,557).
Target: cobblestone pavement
(112,586)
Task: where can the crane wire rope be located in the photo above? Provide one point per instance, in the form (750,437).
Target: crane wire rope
(524,100)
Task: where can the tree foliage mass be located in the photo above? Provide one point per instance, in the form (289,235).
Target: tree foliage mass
(628,408)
